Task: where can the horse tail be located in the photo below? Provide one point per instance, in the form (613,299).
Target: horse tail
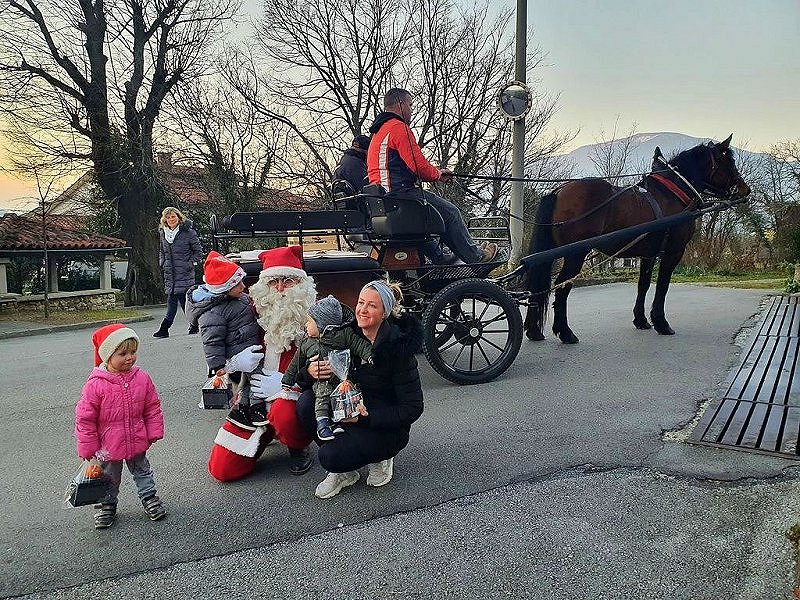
(539,277)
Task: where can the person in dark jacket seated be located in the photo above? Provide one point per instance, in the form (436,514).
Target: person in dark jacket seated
(391,389)
(352,167)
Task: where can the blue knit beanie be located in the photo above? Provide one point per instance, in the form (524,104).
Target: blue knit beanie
(326,312)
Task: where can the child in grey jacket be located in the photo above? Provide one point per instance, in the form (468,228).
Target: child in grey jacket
(328,328)
(230,333)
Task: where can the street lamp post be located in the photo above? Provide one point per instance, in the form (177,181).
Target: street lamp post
(518,140)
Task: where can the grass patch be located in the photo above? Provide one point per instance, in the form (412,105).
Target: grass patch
(68,318)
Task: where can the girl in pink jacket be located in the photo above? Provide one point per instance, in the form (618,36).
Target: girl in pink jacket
(118,418)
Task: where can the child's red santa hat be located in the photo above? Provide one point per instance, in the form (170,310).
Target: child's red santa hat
(108,338)
(283,262)
(221,274)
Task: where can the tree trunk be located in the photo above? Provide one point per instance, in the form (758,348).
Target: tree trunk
(139,214)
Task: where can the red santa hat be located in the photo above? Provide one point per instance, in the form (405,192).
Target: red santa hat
(236,451)
(283,262)
(221,274)
(108,338)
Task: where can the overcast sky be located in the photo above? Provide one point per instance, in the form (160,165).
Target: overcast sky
(706,68)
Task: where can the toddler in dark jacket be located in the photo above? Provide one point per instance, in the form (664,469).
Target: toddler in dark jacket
(230,333)
(328,328)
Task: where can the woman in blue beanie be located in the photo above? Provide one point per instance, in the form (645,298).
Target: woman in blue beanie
(392,394)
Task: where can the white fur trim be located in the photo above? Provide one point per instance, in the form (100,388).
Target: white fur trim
(241,446)
(284,271)
(235,279)
(113,340)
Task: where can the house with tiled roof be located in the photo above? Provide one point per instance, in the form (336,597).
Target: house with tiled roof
(58,240)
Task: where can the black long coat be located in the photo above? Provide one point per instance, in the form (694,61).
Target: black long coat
(177,259)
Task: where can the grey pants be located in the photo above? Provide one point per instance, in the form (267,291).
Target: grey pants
(139,467)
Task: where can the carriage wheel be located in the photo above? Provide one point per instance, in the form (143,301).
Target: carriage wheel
(472,331)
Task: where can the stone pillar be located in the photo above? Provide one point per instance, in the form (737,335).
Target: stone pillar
(105,272)
(52,285)
(4,276)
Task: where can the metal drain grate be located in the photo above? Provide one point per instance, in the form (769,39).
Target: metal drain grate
(760,412)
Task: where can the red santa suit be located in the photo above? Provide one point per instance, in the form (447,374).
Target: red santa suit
(236,450)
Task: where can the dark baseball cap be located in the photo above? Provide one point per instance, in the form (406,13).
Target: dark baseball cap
(361,141)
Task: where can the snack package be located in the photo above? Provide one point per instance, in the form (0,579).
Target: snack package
(346,397)
(88,486)
(217,393)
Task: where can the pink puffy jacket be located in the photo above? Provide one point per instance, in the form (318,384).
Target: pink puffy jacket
(119,413)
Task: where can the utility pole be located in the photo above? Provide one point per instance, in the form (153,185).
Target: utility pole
(518,139)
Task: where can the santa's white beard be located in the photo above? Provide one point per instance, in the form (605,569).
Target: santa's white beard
(282,315)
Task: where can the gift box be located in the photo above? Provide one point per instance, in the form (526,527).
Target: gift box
(84,489)
(217,393)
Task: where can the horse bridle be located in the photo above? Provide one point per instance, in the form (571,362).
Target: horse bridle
(709,188)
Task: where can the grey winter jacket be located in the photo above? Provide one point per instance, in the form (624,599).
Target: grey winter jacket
(177,259)
(227,325)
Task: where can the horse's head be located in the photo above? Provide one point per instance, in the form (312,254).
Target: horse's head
(712,169)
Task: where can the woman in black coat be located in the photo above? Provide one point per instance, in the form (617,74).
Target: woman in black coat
(392,394)
(178,251)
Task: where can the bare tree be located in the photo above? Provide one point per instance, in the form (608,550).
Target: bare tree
(85,82)
(612,155)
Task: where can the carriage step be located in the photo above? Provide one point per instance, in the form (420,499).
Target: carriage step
(760,411)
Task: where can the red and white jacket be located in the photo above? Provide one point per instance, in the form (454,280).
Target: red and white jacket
(394,159)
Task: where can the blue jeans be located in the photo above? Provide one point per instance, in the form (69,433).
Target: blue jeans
(173,300)
(139,467)
(455,235)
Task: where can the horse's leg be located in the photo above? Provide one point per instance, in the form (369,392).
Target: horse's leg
(645,276)
(669,261)
(572,266)
(534,317)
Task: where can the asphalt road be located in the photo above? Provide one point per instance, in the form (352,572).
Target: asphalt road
(555,481)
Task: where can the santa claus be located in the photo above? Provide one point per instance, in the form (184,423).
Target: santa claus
(281,298)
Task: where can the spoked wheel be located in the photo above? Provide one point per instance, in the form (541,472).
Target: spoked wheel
(472,331)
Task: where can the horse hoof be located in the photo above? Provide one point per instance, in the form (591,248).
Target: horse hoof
(534,336)
(664,329)
(643,324)
(568,338)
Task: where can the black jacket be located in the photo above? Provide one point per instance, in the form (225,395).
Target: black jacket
(352,169)
(391,386)
(177,259)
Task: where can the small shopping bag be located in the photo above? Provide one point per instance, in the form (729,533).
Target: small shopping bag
(217,393)
(89,485)
(346,397)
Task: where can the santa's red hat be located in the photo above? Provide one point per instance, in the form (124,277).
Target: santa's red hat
(283,262)
(221,274)
(108,338)
(236,451)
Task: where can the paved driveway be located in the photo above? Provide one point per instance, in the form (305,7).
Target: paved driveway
(552,482)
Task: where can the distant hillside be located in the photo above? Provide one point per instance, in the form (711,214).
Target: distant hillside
(642,148)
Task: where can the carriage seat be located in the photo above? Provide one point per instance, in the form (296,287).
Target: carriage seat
(400,215)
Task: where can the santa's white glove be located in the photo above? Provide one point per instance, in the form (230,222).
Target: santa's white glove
(246,360)
(264,386)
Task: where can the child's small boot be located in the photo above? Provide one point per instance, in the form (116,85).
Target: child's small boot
(105,516)
(324,429)
(240,417)
(258,414)
(153,508)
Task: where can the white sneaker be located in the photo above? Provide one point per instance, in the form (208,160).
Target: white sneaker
(334,482)
(380,473)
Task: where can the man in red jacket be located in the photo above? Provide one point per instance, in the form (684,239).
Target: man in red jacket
(395,161)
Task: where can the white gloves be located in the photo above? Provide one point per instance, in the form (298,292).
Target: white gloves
(246,360)
(264,386)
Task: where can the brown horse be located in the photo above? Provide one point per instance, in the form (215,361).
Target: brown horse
(591,207)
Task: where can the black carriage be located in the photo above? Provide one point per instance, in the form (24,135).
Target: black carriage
(472,325)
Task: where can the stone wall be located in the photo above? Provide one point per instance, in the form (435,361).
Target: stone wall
(63,301)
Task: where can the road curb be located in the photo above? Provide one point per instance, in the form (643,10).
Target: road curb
(71,326)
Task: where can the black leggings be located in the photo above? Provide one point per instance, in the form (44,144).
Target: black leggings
(356,447)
